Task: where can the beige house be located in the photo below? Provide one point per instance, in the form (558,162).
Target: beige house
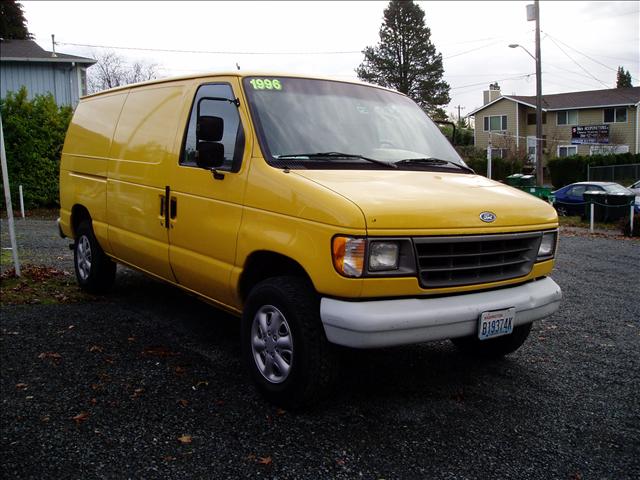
(576,123)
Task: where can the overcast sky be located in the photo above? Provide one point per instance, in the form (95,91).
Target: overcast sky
(583,42)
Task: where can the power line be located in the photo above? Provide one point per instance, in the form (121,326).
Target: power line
(471,50)
(574,61)
(172,50)
(583,54)
(498,80)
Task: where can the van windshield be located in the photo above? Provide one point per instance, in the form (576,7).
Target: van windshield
(306,123)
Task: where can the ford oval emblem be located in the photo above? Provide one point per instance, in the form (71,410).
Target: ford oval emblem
(487,217)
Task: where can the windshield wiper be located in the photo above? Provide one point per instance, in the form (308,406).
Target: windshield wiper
(329,155)
(432,161)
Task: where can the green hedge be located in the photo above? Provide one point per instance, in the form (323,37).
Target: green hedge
(501,168)
(572,169)
(34,132)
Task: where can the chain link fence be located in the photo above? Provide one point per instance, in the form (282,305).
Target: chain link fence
(625,175)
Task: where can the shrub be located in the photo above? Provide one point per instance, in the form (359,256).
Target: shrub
(572,169)
(34,132)
(501,168)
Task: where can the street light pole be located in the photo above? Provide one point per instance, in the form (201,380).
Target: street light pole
(539,169)
(533,13)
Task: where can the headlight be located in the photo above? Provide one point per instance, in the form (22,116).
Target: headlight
(547,246)
(383,256)
(348,255)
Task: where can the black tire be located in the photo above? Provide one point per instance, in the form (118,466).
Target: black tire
(95,271)
(311,358)
(495,347)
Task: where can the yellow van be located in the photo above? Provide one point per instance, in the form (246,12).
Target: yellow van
(321,212)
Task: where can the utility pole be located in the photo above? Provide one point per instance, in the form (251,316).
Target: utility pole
(459,107)
(539,169)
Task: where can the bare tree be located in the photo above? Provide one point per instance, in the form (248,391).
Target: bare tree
(111,70)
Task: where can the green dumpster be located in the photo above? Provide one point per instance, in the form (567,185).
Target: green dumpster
(528,181)
(514,180)
(543,193)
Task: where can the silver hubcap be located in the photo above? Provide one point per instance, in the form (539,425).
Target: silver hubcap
(83,257)
(271,344)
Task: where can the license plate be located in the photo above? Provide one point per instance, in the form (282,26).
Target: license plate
(496,323)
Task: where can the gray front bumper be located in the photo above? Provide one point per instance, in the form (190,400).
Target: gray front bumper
(383,323)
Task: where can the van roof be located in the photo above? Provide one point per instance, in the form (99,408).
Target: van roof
(234,73)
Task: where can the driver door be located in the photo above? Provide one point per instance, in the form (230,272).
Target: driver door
(206,209)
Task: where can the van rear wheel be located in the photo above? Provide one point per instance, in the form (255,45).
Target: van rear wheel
(495,347)
(95,271)
(284,346)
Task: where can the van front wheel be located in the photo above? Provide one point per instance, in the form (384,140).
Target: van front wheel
(284,345)
(95,271)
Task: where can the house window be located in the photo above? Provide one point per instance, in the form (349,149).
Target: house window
(499,153)
(531,118)
(83,82)
(567,117)
(615,115)
(495,122)
(567,150)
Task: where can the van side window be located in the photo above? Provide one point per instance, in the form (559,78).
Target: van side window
(233,137)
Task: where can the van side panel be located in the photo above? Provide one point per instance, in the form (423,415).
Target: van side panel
(142,147)
(83,167)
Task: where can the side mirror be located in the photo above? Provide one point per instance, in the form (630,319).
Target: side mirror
(209,150)
(453,128)
(209,128)
(209,155)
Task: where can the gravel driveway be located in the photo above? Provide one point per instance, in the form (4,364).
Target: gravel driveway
(146,383)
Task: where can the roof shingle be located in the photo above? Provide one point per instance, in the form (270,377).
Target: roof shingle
(28,50)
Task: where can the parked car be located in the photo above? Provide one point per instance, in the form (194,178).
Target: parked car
(635,188)
(569,200)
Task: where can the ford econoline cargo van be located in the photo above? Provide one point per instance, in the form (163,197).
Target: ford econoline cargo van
(320,212)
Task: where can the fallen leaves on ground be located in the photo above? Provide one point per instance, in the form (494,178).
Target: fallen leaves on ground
(81,417)
(21,386)
(39,284)
(53,356)
(183,403)
(159,351)
(137,393)
(96,348)
(185,439)
(264,460)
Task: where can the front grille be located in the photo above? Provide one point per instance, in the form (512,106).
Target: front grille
(472,259)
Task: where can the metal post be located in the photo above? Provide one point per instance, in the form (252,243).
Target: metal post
(539,169)
(7,199)
(489,157)
(21,201)
(631,221)
(591,217)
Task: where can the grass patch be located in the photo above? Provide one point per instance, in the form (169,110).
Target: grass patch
(40,285)
(577,221)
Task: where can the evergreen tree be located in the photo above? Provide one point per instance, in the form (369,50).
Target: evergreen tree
(13,25)
(623,79)
(405,58)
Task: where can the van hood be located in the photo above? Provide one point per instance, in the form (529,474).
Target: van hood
(432,200)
